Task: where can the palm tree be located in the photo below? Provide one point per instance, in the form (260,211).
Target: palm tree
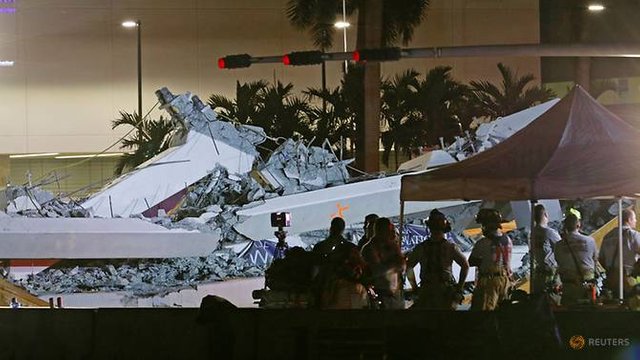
(148,138)
(398,109)
(380,23)
(245,105)
(281,113)
(338,120)
(512,95)
(273,107)
(440,101)
(333,121)
(398,20)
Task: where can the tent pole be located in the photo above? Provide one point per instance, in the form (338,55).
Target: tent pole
(531,262)
(401,220)
(621,260)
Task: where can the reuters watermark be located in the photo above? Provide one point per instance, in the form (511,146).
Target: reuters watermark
(579,342)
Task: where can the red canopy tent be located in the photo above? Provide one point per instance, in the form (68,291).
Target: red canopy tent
(577,149)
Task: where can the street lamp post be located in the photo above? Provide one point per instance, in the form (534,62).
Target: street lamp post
(138,25)
(344,25)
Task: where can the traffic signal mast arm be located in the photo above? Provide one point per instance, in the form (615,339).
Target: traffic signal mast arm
(391,54)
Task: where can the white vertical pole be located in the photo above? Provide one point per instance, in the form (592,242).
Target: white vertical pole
(621,260)
(344,34)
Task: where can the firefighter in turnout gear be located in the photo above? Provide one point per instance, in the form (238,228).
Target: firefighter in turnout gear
(438,289)
(492,255)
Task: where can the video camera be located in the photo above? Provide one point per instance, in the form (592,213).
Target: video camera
(280,219)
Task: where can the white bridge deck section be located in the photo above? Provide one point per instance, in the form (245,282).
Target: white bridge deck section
(314,210)
(82,238)
(167,174)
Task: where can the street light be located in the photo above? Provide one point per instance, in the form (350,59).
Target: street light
(138,25)
(595,7)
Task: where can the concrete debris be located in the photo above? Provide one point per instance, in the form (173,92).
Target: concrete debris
(211,204)
(194,114)
(32,201)
(596,213)
(293,168)
(489,134)
(141,278)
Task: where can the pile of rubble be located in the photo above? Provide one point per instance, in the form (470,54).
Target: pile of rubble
(210,205)
(141,277)
(294,168)
(489,134)
(32,201)
(192,114)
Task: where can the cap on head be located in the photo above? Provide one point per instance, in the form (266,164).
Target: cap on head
(575,213)
(488,217)
(572,219)
(437,221)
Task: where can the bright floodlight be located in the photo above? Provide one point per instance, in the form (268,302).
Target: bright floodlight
(130,24)
(595,7)
(341,24)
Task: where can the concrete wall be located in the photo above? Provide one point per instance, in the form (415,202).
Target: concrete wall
(75,66)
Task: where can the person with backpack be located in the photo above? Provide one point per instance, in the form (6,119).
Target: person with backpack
(438,289)
(492,256)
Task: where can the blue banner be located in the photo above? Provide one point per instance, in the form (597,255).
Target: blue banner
(412,236)
(259,253)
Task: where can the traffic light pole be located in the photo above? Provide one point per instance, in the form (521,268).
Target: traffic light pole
(391,54)
(524,50)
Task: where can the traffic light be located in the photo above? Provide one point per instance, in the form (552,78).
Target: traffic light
(384,54)
(234,61)
(303,58)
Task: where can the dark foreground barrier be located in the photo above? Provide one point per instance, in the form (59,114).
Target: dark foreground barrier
(309,334)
